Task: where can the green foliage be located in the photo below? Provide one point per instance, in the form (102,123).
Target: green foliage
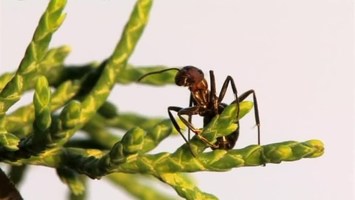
(68,99)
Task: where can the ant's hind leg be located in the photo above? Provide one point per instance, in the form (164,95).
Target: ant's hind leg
(242,97)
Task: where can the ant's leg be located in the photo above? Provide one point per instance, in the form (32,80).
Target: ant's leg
(184,111)
(176,125)
(213,96)
(191,103)
(224,88)
(256,109)
(242,97)
(223,91)
(193,111)
(218,107)
(217,102)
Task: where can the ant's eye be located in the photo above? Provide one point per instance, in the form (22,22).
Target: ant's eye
(180,78)
(200,71)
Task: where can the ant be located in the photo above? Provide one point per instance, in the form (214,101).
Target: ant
(207,104)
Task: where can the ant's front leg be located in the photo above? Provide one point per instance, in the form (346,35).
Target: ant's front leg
(194,111)
(176,125)
(184,111)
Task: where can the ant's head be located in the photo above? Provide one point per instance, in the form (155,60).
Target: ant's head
(188,76)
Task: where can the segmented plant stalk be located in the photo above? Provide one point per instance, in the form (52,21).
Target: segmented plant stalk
(69,99)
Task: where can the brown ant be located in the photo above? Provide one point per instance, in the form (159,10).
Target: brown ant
(205,103)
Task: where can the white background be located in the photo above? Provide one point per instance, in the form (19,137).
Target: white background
(297,55)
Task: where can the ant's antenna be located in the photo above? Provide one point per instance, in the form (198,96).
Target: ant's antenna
(157,72)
